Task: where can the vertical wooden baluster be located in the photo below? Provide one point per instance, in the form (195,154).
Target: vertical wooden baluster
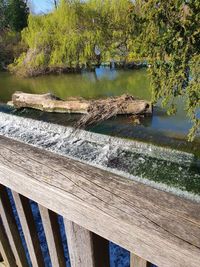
(11,229)
(137,261)
(6,253)
(52,231)
(29,229)
(83,245)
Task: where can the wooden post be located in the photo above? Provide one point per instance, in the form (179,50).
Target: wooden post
(29,229)
(11,228)
(83,245)
(53,237)
(6,253)
(136,261)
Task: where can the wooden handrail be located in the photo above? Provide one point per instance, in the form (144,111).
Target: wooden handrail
(157,226)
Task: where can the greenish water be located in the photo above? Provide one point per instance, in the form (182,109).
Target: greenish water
(159,129)
(89,85)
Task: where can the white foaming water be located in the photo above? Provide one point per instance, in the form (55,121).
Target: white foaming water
(136,160)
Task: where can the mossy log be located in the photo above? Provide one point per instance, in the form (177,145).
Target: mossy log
(51,103)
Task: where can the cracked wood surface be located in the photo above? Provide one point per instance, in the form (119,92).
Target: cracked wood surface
(157,226)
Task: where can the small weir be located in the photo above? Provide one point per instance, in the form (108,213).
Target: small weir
(167,169)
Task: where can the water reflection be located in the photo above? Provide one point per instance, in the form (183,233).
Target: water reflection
(103,82)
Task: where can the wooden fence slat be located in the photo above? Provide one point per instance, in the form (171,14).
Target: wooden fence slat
(11,229)
(53,237)
(6,253)
(136,261)
(29,229)
(82,247)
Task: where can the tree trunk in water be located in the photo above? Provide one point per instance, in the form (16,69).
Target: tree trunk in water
(51,103)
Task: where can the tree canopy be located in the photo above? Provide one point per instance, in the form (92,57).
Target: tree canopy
(14,14)
(13,18)
(17,14)
(68,36)
(169,35)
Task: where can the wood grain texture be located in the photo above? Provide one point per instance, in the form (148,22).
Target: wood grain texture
(136,261)
(7,256)
(29,229)
(53,237)
(11,229)
(160,227)
(80,245)
(86,249)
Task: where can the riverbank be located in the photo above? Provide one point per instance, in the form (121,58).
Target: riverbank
(62,69)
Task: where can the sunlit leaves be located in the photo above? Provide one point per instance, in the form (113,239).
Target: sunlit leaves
(170,37)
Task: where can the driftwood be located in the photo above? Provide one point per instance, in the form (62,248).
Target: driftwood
(94,110)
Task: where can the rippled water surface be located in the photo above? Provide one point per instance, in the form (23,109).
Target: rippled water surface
(159,129)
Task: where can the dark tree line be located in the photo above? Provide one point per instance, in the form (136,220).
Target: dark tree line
(13,18)
(13,14)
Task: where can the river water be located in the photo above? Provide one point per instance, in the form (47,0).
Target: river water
(160,129)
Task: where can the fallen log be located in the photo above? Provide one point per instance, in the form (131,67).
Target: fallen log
(94,110)
(48,102)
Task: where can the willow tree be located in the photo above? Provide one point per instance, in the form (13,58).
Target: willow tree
(168,34)
(66,38)
(111,20)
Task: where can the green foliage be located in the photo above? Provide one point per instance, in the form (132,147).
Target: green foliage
(10,47)
(13,18)
(13,14)
(17,14)
(67,37)
(3,20)
(169,35)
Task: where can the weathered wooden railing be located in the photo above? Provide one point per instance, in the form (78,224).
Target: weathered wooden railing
(97,206)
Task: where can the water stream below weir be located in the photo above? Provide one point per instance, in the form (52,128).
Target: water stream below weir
(164,168)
